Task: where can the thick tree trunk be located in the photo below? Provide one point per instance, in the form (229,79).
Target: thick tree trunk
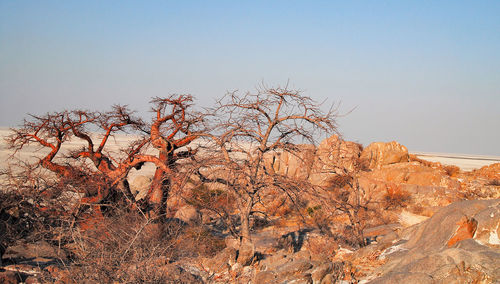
(245,221)
(160,187)
(246,250)
(159,192)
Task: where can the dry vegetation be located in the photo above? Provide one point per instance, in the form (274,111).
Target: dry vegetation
(222,162)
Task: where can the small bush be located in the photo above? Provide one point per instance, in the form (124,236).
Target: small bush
(203,197)
(494,182)
(339,181)
(322,246)
(396,197)
(451,170)
(311,210)
(133,249)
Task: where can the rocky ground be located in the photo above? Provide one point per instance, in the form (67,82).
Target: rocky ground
(419,222)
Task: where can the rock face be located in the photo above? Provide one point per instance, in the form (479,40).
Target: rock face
(334,156)
(420,186)
(449,247)
(334,153)
(295,165)
(378,154)
(285,268)
(466,229)
(140,186)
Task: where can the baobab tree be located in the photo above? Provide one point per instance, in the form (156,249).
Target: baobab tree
(252,127)
(170,130)
(175,125)
(50,132)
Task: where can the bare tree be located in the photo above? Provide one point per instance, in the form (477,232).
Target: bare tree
(174,127)
(251,128)
(170,130)
(49,132)
(113,169)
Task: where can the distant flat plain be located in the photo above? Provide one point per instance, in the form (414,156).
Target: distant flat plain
(464,161)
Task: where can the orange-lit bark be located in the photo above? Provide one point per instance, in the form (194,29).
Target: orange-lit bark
(170,131)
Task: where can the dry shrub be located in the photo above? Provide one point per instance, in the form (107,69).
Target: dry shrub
(339,181)
(363,164)
(135,249)
(493,182)
(451,170)
(199,241)
(322,247)
(343,271)
(22,216)
(395,197)
(279,206)
(320,218)
(351,236)
(347,198)
(214,199)
(106,242)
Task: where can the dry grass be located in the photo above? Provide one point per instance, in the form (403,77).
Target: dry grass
(105,243)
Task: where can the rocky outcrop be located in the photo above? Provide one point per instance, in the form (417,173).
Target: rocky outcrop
(334,156)
(25,262)
(334,152)
(491,172)
(378,154)
(420,187)
(296,165)
(449,247)
(283,267)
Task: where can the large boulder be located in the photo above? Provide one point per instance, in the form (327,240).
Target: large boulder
(378,154)
(295,165)
(334,156)
(335,153)
(289,268)
(418,185)
(459,244)
(140,186)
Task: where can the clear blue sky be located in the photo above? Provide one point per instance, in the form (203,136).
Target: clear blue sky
(424,73)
